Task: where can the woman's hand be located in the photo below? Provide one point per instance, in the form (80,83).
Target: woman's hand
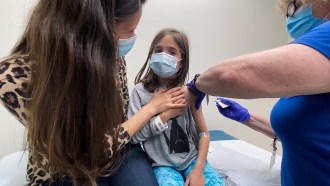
(161,101)
(173,113)
(233,110)
(168,99)
(195,177)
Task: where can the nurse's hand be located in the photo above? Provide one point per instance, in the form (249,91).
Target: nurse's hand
(200,95)
(233,110)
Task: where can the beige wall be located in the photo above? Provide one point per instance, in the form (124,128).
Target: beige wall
(217,29)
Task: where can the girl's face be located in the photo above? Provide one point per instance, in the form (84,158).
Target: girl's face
(126,29)
(168,45)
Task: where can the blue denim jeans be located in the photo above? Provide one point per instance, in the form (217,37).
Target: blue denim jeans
(135,170)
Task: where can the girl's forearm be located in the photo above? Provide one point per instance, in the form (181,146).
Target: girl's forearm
(204,142)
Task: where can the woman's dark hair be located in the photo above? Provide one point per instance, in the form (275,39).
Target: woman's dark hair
(74,98)
(125,9)
(150,79)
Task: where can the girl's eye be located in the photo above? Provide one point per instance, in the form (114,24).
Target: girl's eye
(172,53)
(158,51)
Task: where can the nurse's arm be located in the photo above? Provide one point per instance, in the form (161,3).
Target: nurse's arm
(260,124)
(289,70)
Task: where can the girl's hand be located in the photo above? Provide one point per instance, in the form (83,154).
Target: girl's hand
(195,177)
(168,99)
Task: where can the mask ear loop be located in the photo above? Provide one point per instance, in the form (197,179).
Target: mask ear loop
(326,17)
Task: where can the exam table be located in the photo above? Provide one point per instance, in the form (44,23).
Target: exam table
(238,163)
(242,164)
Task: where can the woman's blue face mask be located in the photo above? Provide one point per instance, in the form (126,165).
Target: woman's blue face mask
(302,21)
(125,45)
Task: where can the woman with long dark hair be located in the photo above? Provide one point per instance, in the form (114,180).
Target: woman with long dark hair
(66,81)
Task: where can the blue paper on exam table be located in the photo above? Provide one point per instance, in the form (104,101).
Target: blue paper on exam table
(217,135)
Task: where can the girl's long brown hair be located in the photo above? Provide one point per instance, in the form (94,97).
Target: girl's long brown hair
(74,98)
(149,78)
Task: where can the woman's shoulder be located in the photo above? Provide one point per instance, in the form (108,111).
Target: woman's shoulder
(15,75)
(15,66)
(318,39)
(15,70)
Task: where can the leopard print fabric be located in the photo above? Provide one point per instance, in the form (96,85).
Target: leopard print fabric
(122,85)
(15,74)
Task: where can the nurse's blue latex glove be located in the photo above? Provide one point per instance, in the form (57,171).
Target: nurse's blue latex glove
(200,95)
(234,110)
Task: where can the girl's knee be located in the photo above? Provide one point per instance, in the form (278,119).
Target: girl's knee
(167,176)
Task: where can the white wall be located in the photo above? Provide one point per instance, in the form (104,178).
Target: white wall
(217,29)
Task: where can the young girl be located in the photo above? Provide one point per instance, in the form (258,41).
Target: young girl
(177,150)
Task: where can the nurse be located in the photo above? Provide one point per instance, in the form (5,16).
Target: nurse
(299,74)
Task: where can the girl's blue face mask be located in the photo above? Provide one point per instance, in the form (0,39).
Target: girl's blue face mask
(125,45)
(302,21)
(163,64)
